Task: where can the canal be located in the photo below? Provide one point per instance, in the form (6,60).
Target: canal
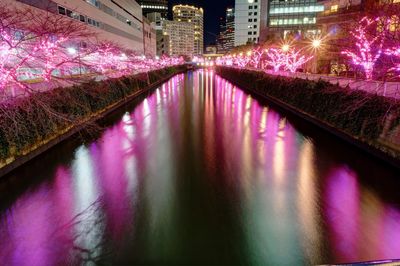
(199,172)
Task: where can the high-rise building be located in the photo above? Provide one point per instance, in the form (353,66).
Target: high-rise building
(149,38)
(230,28)
(194,16)
(119,21)
(226,37)
(285,18)
(151,6)
(221,38)
(178,38)
(247,21)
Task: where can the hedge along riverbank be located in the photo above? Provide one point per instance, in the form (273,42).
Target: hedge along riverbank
(367,120)
(31,125)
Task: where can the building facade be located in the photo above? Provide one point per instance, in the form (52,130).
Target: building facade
(194,16)
(226,36)
(117,21)
(285,18)
(221,38)
(230,29)
(154,6)
(149,38)
(211,49)
(179,35)
(247,22)
(336,22)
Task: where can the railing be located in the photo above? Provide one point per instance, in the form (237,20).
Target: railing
(382,88)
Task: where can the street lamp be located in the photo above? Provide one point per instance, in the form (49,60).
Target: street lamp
(71,50)
(316,43)
(285,47)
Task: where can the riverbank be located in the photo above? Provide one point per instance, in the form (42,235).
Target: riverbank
(29,126)
(366,120)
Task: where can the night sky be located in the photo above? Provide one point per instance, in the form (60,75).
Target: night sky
(213,10)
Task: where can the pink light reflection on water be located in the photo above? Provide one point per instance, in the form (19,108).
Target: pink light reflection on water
(351,212)
(343,213)
(261,167)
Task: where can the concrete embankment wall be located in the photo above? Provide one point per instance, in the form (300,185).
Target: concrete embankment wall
(368,121)
(31,125)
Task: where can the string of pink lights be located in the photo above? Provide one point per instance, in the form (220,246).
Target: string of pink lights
(368,45)
(284,58)
(49,50)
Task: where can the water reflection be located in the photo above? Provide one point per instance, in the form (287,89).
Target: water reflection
(200,172)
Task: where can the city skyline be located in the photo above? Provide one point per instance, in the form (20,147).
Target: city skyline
(126,140)
(213,11)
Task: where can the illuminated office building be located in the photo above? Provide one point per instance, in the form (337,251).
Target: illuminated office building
(194,16)
(154,6)
(290,17)
(247,21)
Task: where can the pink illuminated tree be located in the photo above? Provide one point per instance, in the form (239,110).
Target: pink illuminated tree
(257,55)
(50,49)
(242,60)
(275,58)
(369,38)
(395,52)
(295,59)
(34,46)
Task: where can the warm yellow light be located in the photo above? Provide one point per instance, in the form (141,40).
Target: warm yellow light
(285,47)
(248,53)
(316,43)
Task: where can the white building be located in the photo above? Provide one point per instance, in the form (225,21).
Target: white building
(180,36)
(247,21)
(118,21)
(194,16)
(149,38)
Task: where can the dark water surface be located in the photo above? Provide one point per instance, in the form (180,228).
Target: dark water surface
(199,172)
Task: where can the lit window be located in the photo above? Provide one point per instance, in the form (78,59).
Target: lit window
(334,8)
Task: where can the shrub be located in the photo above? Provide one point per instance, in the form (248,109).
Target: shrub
(358,113)
(24,122)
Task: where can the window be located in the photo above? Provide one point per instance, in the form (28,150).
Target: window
(250,20)
(94,3)
(61,10)
(249,33)
(82,18)
(334,8)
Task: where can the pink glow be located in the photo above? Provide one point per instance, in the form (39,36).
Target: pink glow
(396,53)
(275,58)
(291,60)
(257,55)
(295,59)
(45,54)
(368,48)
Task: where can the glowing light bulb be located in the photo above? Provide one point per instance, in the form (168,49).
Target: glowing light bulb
(316,43)
(285,47)
(71,50)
